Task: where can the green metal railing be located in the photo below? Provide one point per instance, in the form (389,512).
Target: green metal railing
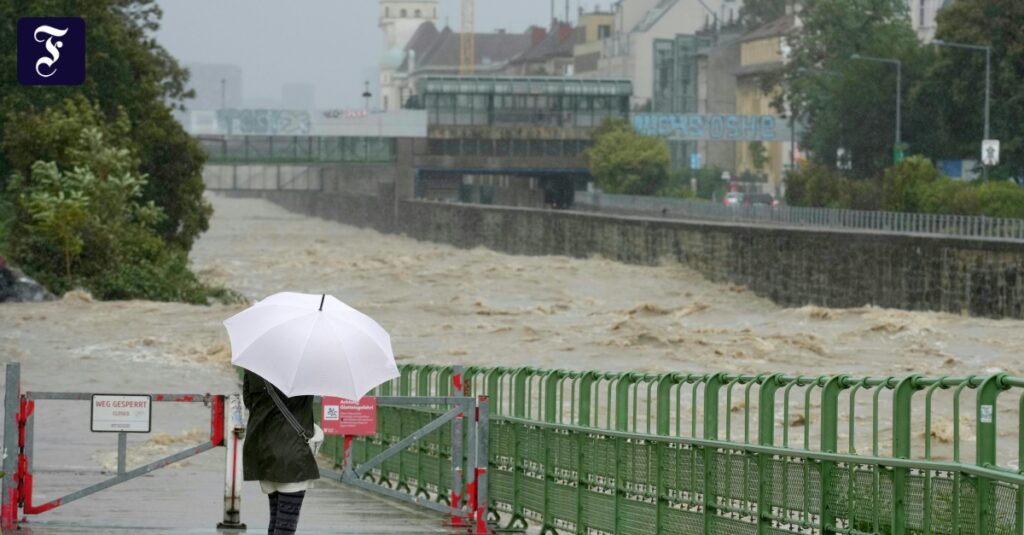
(591,452)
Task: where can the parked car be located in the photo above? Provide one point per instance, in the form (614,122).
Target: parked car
(759,199)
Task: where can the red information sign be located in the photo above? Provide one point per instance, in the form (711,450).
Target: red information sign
(344,417)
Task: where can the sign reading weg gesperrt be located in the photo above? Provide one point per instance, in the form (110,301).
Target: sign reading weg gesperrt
(115,413)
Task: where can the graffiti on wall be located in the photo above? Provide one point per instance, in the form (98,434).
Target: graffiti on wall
(264,121)
(710,127)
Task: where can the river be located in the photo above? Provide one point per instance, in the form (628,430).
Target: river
(446,305)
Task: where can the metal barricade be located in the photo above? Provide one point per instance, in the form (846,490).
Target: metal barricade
(227,429)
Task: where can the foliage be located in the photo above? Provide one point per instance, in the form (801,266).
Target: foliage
(845,102)
(623,161)
(758,155)
(131,79)
(1001,199)
(678,186)
(903,185)
(89,226)
(951,97)
(814,185)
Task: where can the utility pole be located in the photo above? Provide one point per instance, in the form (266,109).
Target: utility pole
(367,94)
(223,92)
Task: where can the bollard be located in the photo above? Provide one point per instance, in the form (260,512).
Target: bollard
(234,438)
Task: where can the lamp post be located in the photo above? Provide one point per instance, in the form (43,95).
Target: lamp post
(988,80)
(899,88)
(367,94)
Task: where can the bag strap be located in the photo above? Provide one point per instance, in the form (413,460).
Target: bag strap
(284,410)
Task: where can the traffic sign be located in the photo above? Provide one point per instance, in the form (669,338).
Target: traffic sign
(121,413)
(695,160)
(897,154)
(990,152)
(843,159)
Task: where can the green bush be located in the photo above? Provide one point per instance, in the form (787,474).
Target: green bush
(88,226)
(904,184)
(999,198)
(623,161)
(816,186)
(709,184)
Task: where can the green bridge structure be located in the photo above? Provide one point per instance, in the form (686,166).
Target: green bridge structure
(720,453)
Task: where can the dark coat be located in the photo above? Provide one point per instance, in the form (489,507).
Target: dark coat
(273,450)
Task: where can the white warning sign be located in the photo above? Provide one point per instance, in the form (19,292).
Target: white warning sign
(113,413)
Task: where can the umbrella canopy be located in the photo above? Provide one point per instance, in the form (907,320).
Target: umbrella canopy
(307,344)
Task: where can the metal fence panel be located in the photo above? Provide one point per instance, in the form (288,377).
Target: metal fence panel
(633,453)
(941,224)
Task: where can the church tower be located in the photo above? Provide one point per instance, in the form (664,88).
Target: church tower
(399,20)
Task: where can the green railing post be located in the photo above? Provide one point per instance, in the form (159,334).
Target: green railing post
(519,392)
(988,394)
(552,382)
(625,380)
(665,385)
(765,437)
(713,383)
(829,444)
(586,386)
(901,415)
(494,376)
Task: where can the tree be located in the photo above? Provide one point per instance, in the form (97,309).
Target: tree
(904,184)
(623,161)
(128,74)
(850,103)
(758,155)
(952,94)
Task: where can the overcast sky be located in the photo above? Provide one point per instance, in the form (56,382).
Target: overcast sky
(332,44)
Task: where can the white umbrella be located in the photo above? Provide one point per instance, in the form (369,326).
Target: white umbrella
(308,344)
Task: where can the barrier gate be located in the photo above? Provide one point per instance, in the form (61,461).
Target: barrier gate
(465,504)
(463,464)
(226,429)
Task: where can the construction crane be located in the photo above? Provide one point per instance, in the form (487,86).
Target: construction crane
(467,39)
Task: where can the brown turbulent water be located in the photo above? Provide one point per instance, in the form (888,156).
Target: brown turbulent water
(446,305)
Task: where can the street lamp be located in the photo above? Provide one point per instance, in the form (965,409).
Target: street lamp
(899,84)
(988,79)
(367,94)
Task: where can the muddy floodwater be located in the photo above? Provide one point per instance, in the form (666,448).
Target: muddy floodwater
(446,305)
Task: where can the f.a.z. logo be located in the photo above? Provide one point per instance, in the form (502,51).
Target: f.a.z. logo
(51,50)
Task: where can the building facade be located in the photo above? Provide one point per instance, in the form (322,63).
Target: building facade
(761,52)
(399,20)
(591,31)
(636,24)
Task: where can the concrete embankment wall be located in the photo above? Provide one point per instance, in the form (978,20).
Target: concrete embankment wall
(792,267)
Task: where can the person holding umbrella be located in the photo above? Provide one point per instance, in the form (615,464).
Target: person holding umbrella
(275,454)
(293,347)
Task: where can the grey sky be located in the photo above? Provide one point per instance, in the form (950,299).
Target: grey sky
(332,44)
